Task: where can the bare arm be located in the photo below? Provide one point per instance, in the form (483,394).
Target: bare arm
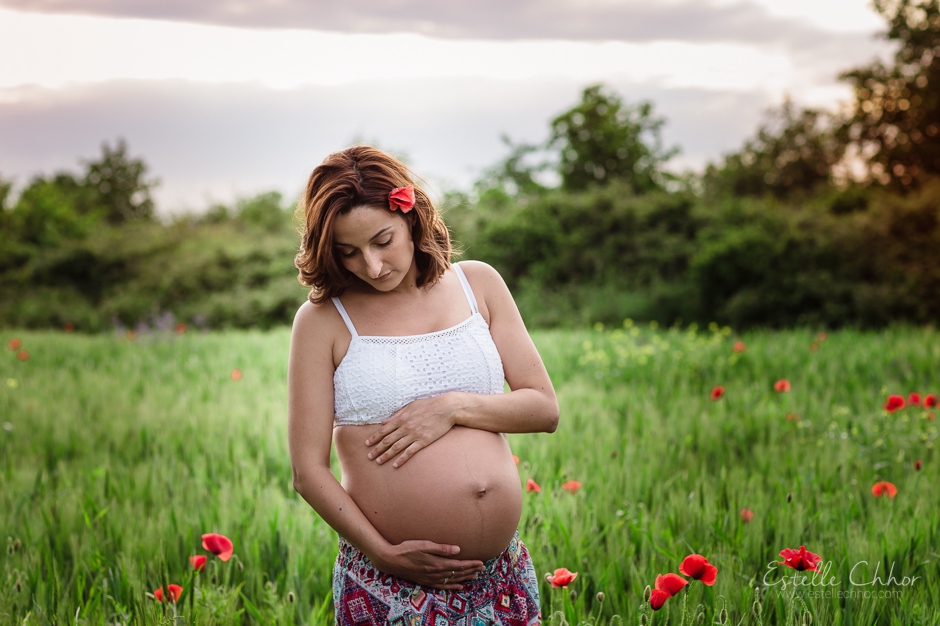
(530,406)
(310,435)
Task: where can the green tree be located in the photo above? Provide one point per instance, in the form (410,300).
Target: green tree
(896,118)
(792,155)
(119,184)
(602,138)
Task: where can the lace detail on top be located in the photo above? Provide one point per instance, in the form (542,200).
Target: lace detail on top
(380,374)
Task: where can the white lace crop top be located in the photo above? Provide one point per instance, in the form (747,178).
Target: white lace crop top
(382,373)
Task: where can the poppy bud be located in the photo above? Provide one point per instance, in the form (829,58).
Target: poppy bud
(613,454)
(600,596)
(917,464)
(18,586)
(647,593)
(16,607)
(789,497)
(16,545)
(701,618)
(10,549)
(525,465)
(756,609)
(213,579)
(240,566)
(573,595)
(643,619)
(723,616)
(807,619)
(290,597)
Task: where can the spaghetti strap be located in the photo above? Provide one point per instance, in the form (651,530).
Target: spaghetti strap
(466,288)
(342,311)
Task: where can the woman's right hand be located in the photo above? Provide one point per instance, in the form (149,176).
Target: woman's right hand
(428,563)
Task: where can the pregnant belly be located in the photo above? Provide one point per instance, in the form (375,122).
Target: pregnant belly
(463,490)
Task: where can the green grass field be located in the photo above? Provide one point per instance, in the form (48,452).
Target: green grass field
(118,454)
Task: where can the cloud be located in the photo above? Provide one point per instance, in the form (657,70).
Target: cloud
(586,20)
(215,142)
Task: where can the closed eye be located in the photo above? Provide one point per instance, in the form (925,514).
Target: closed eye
(383,244)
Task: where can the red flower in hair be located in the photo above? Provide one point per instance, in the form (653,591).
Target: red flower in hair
(801,560)
(402,198)
(666,587)
(717,392)
(884,488)
(198,562)
(930,400)
(532,486)
(219,545)
(697,566)
(782,386)
(894,403)
(174,593)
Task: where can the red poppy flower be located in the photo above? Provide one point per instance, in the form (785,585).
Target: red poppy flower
(813,347)
(515,459)
(23,355)
(219,545)
(571,486)
(917,465)
(236,374)
(739,346)
(174,592)
(402,198)
(697,566)
(198,562)
(884,488)
(561,578)
(717,392)
(801,560)
(894,403)
(930,401)
(14,344)
(746,516)
(68,327)
(666,587)
(822,337)
(180,328)
(532,486)
(913,398)
(782,386)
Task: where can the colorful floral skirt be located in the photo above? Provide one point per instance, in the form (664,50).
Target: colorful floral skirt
(507,593)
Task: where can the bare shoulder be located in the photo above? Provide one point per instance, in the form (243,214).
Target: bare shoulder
(483,277)
(493,296)
(316,323)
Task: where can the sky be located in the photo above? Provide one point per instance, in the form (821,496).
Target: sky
(227,98)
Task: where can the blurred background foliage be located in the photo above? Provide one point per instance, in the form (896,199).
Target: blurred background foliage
(820,218)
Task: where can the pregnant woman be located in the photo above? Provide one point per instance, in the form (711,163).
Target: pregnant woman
(400,357)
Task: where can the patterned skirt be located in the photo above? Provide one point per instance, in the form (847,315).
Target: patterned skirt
(507,593)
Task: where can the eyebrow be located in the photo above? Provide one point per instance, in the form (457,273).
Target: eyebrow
(349,245)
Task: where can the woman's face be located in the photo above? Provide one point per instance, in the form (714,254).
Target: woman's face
(374,244)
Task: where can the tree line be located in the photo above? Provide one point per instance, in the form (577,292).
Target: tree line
(822,218)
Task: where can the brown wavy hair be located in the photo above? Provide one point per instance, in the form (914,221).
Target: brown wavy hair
(354,177)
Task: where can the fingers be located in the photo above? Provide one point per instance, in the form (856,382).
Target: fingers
(391,450)
(408,453)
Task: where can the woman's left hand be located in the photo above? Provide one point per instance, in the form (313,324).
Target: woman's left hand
(412,427)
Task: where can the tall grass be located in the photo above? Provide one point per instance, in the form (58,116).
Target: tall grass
(118,454)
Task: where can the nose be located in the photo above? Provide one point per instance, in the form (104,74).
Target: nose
(373,265)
